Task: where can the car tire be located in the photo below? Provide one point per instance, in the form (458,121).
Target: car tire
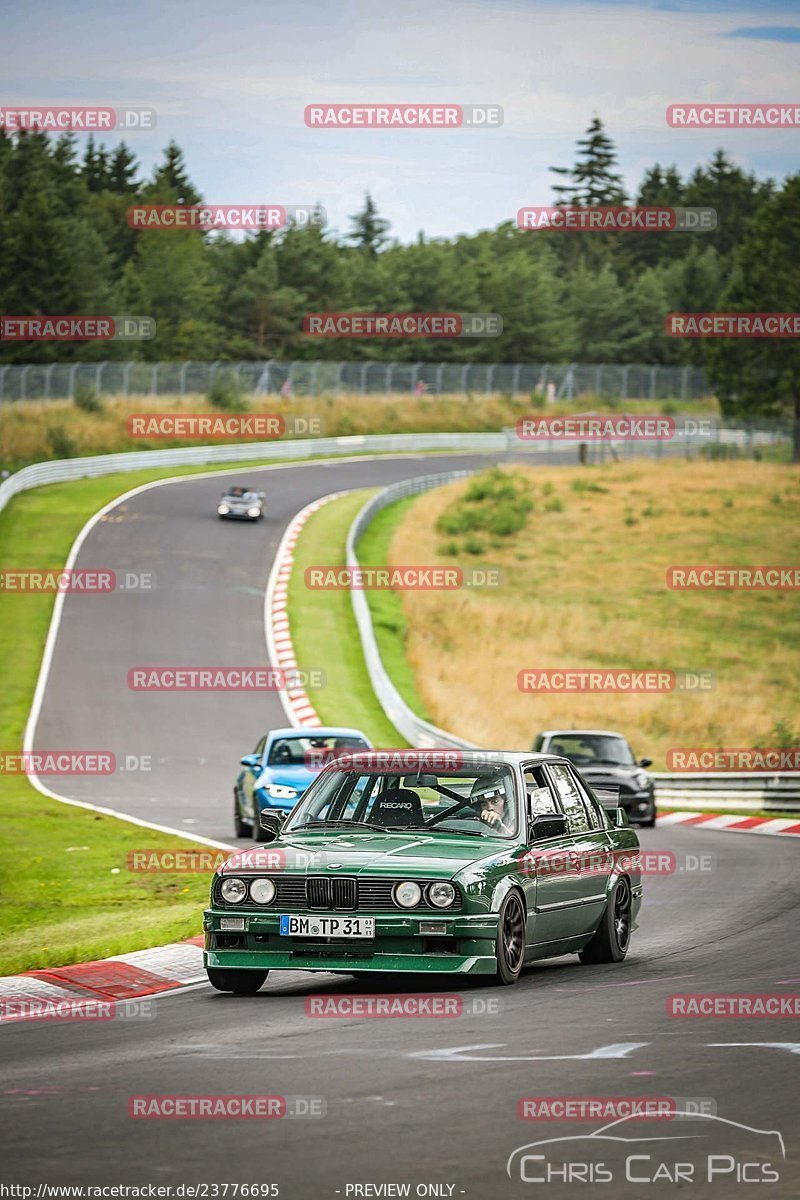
(510,944)
(651,823)
(240,828)
(241,983)
(611,940)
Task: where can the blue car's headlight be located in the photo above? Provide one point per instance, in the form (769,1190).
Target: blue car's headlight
(280,791)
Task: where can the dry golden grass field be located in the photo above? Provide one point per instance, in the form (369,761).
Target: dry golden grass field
(584,586)
(31,431)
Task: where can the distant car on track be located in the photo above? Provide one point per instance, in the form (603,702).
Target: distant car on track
(406,861)
(241,503)
(605,760)
(281,767)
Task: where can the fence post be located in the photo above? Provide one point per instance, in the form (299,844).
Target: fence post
(72,373)
(490,380)
(47,377)
(388,384)
(515,380)
(684,382)
(364,369)
(3,381)
(184,368)
(415,376)
(653,382)
(22,381)
(155,378)
(439,375)
(464,377)
(98,375)
(625,370)
(126,372)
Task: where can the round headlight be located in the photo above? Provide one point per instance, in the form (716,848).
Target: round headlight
(253,512)
(222,509)
(233,891)
(407,895)
(262,891)
(441,895)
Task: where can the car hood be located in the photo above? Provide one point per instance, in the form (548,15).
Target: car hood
(612,774)
(416,855)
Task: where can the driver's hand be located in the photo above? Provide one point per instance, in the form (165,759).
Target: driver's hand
(490,816)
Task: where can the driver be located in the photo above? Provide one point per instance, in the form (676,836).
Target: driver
(490,800)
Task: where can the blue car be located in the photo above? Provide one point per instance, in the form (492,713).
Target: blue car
(281,767)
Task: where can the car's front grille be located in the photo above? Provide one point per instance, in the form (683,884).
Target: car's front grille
(336,893)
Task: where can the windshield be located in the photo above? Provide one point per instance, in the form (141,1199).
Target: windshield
(587,749)
(312,752)
(478,802)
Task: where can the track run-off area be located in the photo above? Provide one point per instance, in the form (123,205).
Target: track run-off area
(423,1101)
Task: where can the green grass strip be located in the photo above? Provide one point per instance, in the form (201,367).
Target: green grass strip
(324,631)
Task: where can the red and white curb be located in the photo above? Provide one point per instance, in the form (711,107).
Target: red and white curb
(295,700)
(733,822)
(95,989)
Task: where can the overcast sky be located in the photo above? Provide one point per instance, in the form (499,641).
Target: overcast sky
(230,80)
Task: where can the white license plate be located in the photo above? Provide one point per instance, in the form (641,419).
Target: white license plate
(315,927)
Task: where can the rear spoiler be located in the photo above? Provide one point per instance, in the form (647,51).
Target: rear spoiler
(608,798)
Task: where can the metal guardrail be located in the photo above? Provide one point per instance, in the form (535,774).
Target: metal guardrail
(556,381)
(416,731)
(67,469)
(763,791)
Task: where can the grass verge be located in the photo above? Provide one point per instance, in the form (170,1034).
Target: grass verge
(584,586)
(67,893)
(34,430)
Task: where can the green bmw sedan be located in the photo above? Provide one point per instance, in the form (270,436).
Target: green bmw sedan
(443,862)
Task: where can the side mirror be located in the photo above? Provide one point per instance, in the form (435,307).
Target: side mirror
(645,762)
(251,760)
(547,825)
(271,821)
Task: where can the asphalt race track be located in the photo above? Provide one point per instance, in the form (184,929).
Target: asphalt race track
(418,1101)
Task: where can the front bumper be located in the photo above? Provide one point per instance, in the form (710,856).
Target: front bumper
(467,948)
(639,807)
(237,516)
